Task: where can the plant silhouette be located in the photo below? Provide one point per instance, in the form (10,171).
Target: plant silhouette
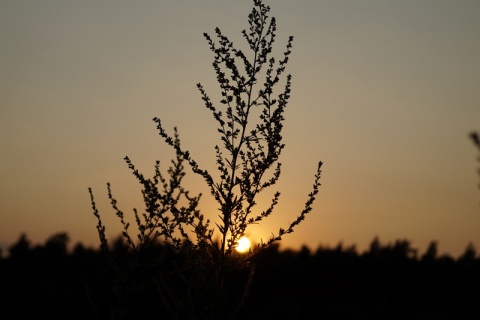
(476,141)
(197,273)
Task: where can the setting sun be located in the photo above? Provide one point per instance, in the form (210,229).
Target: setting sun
(243,244)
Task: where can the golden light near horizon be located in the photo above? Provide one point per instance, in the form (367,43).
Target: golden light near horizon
(243,244)
(399,95)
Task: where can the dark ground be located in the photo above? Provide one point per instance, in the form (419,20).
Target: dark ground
(386,282)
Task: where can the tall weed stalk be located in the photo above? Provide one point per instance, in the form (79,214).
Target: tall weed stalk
(181,264)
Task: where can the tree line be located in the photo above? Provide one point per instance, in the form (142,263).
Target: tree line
(386,281)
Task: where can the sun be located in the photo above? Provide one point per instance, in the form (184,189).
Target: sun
(243,244)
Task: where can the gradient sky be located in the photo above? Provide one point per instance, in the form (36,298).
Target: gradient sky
(384,93)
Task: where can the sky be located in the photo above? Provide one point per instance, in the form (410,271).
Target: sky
(385,93)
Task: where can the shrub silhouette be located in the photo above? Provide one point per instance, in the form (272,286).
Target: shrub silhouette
(178,264)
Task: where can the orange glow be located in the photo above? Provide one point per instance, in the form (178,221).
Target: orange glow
(243,244)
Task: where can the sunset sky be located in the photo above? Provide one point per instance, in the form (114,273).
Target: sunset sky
(385,93)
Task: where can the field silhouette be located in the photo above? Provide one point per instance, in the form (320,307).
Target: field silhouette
(387,281)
